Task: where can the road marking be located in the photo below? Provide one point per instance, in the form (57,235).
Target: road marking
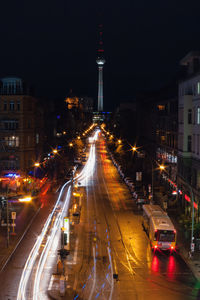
(76,251)
(51,283)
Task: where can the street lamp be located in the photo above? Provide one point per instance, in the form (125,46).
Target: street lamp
(134,149)
(192,232)
(36,165)
(162,167)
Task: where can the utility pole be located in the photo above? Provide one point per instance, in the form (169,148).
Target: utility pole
(192,232)
(7,218)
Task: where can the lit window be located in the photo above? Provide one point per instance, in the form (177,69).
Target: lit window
(161,107)
(37,138)
(12,141)
(198,115)
(198,88)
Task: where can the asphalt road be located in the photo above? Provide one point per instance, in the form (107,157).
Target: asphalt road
(110,256)
(111,241)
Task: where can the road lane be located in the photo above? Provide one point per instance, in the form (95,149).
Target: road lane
(141,273)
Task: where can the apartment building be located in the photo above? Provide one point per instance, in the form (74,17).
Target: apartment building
(189,134)
(21,126)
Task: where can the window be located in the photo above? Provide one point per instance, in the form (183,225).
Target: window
(10,125)
(161,107)
(12,141)
(193,144)
(198,88)
(18,105)
(189,116)
(198,115)
(12,105)
(37,138)
(198,144)
(5,105)
(189,145)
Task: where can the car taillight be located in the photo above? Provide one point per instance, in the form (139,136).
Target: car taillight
(155,246)
(172,248)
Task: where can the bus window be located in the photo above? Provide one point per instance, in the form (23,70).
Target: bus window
(166,236)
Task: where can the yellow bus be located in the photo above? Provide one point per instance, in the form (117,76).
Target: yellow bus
(159,228)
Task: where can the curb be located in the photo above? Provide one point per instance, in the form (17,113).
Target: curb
(184,255)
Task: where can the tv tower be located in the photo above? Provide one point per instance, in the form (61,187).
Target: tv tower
(100,62)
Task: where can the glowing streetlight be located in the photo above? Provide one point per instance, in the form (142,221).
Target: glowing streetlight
(119,142)
(78,137)
(55,151)
(71,144)
(37,164)
(162,167)
(134,149)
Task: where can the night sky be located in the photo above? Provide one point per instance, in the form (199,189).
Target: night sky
(53,44)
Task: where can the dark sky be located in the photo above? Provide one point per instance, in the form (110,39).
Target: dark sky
(52,44)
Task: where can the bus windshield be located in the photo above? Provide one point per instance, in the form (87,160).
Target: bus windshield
(165,236)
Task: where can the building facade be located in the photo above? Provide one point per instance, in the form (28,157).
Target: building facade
(21,126)
(189,134)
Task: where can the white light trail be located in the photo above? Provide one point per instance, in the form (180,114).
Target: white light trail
(48,245)
(21,295)
(84,175)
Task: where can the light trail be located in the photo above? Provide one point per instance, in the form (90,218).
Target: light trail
(21,295)
(89,166)
(48,245)
(31,260)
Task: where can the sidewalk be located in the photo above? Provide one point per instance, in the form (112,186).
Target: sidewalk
(183,243)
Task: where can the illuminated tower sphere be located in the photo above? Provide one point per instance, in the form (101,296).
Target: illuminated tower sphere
(100,61)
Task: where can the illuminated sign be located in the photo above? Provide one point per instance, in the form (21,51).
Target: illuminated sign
(66,230)
(11,175)
(66,225)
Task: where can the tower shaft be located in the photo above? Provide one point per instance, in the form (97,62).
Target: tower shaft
(100,89)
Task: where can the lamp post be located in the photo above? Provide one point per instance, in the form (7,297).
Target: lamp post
(36,165)
(161,167)
(134,149)
(7,218)
(192,229)
(192,233)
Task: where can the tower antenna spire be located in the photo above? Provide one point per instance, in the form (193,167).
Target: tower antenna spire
(100,62)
